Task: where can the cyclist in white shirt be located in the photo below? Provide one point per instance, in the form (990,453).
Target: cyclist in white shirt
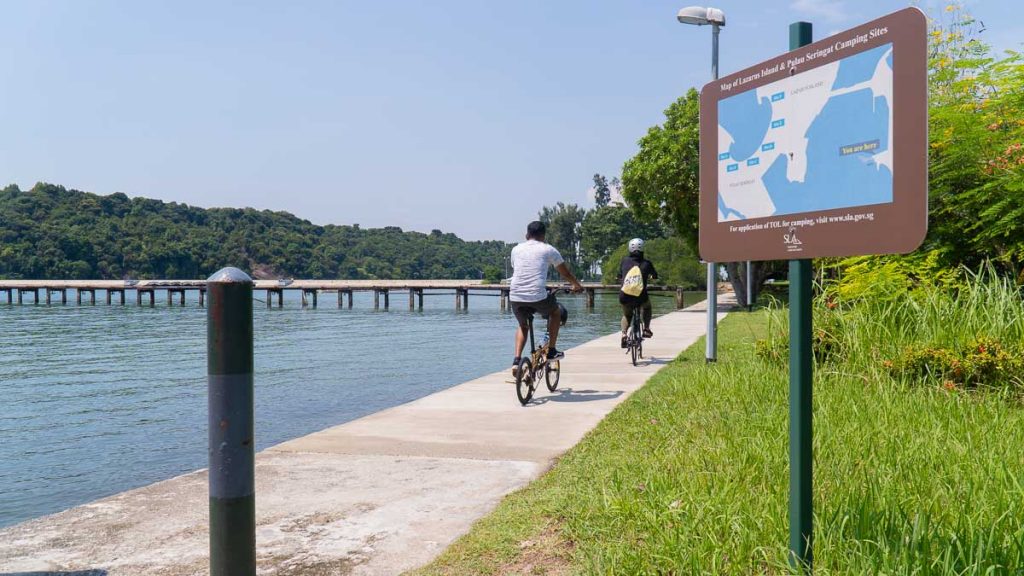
(528,291)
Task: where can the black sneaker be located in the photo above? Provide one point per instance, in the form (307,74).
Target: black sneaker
(623,344)
(648,333)
(515,366)
(554,354)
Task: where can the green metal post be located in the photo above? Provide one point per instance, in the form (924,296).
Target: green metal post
(801,510)
(229,337)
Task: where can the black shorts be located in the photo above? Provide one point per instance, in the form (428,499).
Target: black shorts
(525,310)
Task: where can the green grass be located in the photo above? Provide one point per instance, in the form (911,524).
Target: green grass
(689,476)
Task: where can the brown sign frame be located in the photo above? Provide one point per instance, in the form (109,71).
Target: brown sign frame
(896,227)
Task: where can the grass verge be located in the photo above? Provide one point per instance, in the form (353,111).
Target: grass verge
(689,476)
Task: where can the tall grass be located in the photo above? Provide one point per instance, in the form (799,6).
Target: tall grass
(863,333)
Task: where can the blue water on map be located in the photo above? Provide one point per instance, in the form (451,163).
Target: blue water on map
(96,400)
(847,119)
(859,68)
(745,119)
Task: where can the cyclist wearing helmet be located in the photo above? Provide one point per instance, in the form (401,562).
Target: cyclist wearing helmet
(528,290)
(634,273)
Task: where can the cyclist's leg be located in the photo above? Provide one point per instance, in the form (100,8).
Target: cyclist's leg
(522,313)
(647,311)
(549,307)
(627,317)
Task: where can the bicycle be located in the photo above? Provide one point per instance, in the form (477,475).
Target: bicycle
(635,336)
(530,370)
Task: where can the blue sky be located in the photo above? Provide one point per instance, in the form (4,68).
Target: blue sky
(463,115)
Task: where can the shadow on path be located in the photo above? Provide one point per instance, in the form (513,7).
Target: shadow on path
(570,395)
(647,361)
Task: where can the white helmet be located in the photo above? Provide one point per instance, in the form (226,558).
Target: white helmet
(636,245)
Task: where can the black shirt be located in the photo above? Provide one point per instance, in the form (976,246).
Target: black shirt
(646,270)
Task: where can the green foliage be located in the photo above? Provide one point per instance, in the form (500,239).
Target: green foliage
(976,127)
(661,182)
(52,232)
(492,274)
(921,324)
(607,228)
(672,258)
(602,191)
(888,277)
(563,223)
(983,362)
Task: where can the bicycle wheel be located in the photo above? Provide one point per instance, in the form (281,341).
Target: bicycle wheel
(552,372)
(524,382)
(635,337)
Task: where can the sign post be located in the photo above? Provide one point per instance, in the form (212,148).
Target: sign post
(819,152)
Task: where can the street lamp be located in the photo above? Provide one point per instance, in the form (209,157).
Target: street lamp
(701,16)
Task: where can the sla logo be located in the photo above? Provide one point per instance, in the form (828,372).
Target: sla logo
(793,244)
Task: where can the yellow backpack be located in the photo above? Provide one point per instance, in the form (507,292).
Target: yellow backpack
(633,282)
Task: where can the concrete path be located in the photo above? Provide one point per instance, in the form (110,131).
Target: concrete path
(378,495)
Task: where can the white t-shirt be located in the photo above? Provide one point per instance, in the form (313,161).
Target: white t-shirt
(530,261)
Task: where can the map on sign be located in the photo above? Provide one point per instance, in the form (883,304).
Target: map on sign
(818,140)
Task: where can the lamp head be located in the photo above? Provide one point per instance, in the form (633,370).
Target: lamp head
(698,15)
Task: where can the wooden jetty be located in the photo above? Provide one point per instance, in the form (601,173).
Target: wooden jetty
(145,291)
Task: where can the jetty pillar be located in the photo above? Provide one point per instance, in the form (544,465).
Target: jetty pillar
(10,297)
(312,292)
(419,299)
(202,297)
(680,298)
(387,299)
(376,299)
(503,299)
(48,295)
(412,299)
(590,298)
(347,294)
(232,458)
(109,295)
(465,299)
(270,298)
(78,297)
(458,299)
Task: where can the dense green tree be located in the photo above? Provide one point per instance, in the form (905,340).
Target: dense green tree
(563,222)
(52,232)
(676,264)
(606,228)
(976,133)
(602,192)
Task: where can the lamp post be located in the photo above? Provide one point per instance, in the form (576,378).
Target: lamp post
(700,16)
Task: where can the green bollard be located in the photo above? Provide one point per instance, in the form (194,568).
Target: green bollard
(229,349)
(801,379)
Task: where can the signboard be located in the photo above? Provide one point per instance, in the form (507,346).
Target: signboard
(822,151)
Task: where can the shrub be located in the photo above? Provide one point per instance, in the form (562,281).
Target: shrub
(983,362)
